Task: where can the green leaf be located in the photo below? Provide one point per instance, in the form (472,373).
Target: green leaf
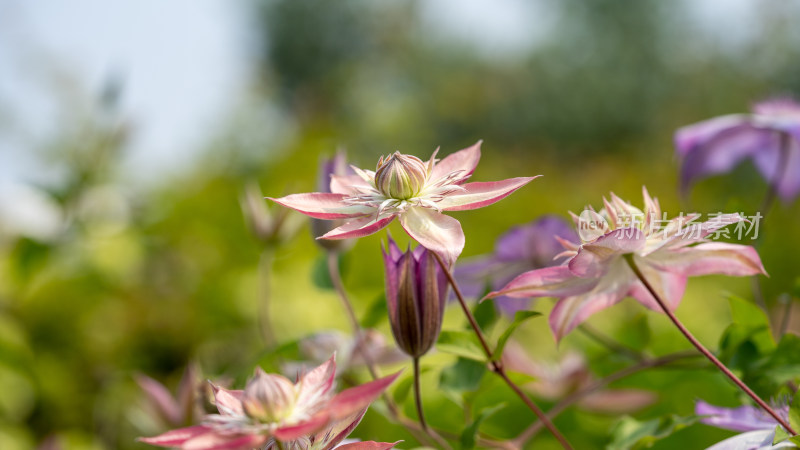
(461,343)
(519,318)
(377,313)
(470,433)
(746,313)
(780,435)
(319,273)
(794,413)
(630,433)
(485,314)
(463,376)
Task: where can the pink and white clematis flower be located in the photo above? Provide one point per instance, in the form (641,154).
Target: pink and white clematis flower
(304,414)
(597,276)
(416,192)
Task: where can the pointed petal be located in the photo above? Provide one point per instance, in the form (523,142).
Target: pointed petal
(214,441)
(310,426)
(339,430)
(556,281)
(354,399)
(593,259)
(360,227)
(743,418)
(752,440)
(229,402)
(711,258)
(161,398)
(618,401)
(435,231)
(464,161)
(478,195)
(348,185)
(316,384)
(572,311)
(175,438)
(368,445)
(322,205)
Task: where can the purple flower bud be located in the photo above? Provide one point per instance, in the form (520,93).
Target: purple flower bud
(416,290)
(329,167)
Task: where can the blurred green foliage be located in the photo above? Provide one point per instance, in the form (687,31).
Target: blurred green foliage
(147,280)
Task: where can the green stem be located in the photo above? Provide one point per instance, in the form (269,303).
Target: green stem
(418,396)
(705,351)
(494,363)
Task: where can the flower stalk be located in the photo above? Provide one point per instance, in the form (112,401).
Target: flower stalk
(703,350)
(494,361)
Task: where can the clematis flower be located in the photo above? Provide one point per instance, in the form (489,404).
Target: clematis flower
(597,276)
(415,192)
(271,408)
(520,249)
(416,293)
(173,411)
(556,380)
(757,427)
(336,166)
(770,137)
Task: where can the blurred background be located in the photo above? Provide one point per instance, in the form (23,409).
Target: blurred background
(129,132)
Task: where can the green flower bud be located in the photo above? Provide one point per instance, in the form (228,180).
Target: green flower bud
(269,398)
(401,176)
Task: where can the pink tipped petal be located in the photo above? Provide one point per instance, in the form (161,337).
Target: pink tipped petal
(229,402)
(482,194)
(570,312)
(176,438)
(161,398)
(556,281)
(322,205)
(348,185)
(592,259)
(463,161)
(337,432)
(363,226)
(711,258)
(214,441)
(352,400)
(310,426)
(436,232)
(368,445)
(669,286)
(315,384)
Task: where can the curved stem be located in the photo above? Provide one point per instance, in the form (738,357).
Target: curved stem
(494,362)
(705,351)
(418,396)
(600,384)
(421,434)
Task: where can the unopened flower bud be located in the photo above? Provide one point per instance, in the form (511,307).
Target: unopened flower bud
(328,168)
(268,398)
(400,176)
(416,290)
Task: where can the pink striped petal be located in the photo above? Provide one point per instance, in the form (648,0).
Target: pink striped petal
(315,384)
(229,402)
(435,231)
(348,184)
(368,445)
(482,194)
(711,258)
(360,227)
(669,286)
(175,438)
(593,259)
(161,398)
(570,312)
(310,426)
(556,281)
(352,400)
(214,441)
(337,432)
(464,161)
(321,205)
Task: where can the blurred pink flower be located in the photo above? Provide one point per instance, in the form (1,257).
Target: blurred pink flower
(770,137)
(597,276)
(173,411)
(416,192)
(271,407)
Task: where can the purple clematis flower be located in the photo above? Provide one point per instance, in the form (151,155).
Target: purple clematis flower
(520,249)
(271,408)
(770,136)
(597,276)
(415,192)
(757,427)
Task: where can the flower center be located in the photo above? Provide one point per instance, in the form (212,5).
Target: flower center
(400,176)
